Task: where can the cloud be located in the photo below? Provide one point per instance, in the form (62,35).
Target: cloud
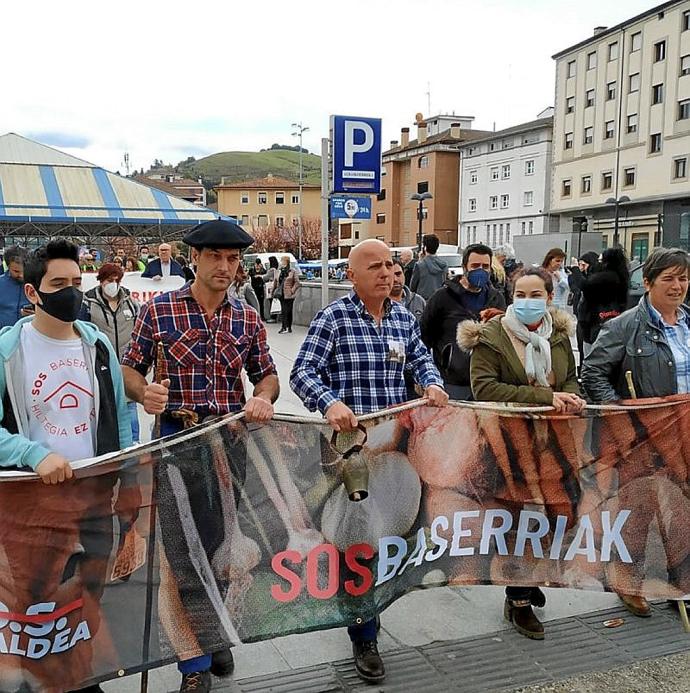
(60,139)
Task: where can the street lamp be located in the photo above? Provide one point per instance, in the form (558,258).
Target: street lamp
(299,131)
(420,197)
(617,202)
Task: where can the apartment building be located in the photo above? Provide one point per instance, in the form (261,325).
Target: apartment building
(621,155)
(505,183)
(430,163)
(269,201)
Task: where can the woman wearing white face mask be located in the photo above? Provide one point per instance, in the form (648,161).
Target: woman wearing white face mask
(525,356)
(110,307)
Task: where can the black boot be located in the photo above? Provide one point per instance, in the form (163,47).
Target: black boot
(368,662)
(537,597)
(196,682)
(89,689)
(519,613)
(222,663)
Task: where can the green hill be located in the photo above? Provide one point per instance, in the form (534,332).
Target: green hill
(237,166)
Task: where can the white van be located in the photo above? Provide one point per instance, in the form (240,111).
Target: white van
(248,259)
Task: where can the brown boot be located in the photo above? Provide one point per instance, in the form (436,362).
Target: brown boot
(638,606)
(519,613)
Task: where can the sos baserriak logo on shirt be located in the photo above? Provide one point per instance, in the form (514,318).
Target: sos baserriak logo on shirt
(66,396)
(42,630)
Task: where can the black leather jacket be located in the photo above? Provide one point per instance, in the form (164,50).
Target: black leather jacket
(630,342)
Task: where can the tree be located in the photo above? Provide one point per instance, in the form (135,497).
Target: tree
(285,239)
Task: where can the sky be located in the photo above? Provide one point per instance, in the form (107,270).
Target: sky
(174,79)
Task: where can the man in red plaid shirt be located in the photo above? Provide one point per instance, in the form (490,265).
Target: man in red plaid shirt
(207,339)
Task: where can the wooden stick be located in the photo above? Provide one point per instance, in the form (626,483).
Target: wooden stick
(631,385)
(157,377)
(682,610)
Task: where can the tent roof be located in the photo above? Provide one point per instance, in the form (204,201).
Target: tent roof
(39,184)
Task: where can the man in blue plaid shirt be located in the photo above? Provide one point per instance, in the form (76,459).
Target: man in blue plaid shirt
(352,362)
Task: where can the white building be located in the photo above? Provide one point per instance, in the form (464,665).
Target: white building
(622,131)
(505,180)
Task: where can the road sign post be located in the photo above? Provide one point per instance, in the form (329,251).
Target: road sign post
(325,196)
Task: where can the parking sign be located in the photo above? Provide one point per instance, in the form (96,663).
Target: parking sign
(356,154)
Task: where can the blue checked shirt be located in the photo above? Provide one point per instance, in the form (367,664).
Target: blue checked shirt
(346,357)
(678,338)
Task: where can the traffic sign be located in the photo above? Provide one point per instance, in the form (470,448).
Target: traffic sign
(356,154)
(350,207)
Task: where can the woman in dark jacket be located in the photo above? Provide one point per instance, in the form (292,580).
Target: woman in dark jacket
(586,265)
(604,295)
(525,356)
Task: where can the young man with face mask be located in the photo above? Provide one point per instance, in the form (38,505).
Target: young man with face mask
(461,298)
(61,390)
(110,307)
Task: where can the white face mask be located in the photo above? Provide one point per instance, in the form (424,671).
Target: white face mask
(111,289)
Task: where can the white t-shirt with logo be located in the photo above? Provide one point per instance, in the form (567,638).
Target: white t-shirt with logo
(59,394)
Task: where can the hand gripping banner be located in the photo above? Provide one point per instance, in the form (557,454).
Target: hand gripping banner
(231,533)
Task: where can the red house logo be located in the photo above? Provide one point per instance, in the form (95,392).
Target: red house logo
(69,394)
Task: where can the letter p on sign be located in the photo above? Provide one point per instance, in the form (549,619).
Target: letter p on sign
(356,147)
(351,147)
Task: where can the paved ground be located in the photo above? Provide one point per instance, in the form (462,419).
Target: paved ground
(415,621)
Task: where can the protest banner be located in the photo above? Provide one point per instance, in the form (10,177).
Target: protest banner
(230,533)
(142,290)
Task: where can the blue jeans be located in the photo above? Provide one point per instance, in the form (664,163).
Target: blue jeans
(134,416)
(365,632)
(189,666)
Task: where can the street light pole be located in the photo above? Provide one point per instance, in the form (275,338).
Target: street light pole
(300,130)
(420,197)
(616,202)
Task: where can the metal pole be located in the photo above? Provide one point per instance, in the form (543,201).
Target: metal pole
(301,185)
(615,225)
(324,221)
(419,231)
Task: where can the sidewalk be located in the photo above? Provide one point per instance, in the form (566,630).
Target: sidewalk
(420,618)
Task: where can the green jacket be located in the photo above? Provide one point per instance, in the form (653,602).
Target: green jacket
(496,372)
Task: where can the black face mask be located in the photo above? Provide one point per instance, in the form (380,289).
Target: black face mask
(63,305)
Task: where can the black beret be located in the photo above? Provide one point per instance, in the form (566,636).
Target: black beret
(218,233)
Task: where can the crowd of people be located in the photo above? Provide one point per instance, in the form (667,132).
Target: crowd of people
(499,332)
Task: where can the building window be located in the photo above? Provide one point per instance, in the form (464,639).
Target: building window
(380,218)
(610,91)
(508,232)
(568,140)
(685,65)
(505,201)
(295,198)
(634,83)
(609,130)
(566,188)
(632,123)
(262,198)
(571,68)
(586,184)
(492,147)
(473,204)
(523,226)
(589,98)
(244,198)
(613,51)
(685,24)
(382,195)
(507,144)
(245,220)
(680,168)
(684,109)
(529,167)
(636,42)
(589,136)
(657,93)
(280,222)
(500,234)
(655,143)
(493,202)
(528,199)
(262,221)
(570,104)
(505,171)
(629,177)
(280,198)
(424,162)
(531,227)
(494,173)
(474,177)
(591,60)
(423,187)
(659,51)
(606,180)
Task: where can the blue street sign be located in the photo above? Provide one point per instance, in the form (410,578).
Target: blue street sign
(356,154)
(350,207)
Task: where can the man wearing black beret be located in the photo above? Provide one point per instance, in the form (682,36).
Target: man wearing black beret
(207,340)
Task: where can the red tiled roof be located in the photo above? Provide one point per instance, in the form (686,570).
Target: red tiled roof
(267,183)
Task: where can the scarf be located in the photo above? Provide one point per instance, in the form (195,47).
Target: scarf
(537,349)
